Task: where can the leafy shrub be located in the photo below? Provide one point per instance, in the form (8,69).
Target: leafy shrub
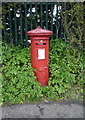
(66,67)
(18,78)
(19,83)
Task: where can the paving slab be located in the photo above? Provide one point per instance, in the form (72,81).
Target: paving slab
(61,109)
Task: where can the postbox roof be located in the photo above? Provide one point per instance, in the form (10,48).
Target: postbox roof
(38,32)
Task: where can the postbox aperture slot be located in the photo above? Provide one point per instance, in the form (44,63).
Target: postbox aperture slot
(40,43)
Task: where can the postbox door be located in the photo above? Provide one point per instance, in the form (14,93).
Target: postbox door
(42,61)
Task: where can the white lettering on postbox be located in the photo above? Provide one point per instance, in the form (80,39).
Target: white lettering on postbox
(41,53)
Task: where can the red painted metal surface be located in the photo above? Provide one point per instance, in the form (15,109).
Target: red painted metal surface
(40,53)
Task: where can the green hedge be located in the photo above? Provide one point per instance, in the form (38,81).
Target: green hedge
(19,83)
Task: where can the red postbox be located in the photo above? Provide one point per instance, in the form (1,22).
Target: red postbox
(40,53)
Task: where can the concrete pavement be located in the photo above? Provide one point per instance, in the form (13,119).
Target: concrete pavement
(63,109)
